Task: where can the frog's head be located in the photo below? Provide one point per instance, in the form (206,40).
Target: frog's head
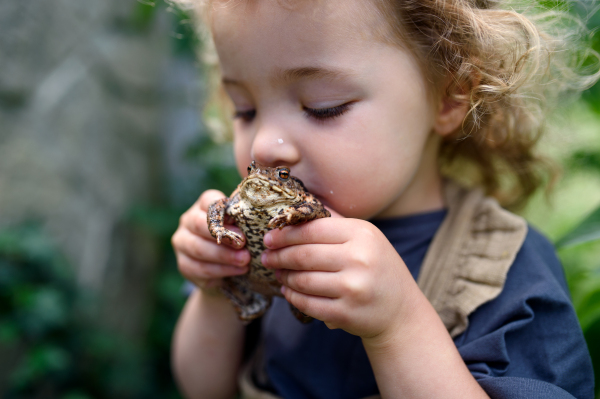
(265,186)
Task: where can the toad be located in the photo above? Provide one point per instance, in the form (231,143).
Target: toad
(268,198)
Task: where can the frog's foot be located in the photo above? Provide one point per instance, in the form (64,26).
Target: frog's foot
(279,221)
(220,233)
(287,218)
(215,217)
(298,214)
(299,315)
(248,304)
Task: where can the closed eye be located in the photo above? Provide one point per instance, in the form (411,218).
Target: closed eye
(246,116)
(322,114)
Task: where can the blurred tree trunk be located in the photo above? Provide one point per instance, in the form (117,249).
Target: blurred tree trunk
(80,118)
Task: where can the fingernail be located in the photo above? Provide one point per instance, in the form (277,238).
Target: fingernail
(278,275)
(283,290)
(268,240)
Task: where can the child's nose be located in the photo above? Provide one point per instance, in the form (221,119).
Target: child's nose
(272,146)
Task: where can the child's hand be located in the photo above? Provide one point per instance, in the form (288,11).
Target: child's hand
(343,272)
(200,259)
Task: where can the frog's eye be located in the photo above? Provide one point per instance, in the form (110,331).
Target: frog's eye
(249,169)
(284,174)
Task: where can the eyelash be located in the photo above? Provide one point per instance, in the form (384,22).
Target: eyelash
(246,116)
(320,114)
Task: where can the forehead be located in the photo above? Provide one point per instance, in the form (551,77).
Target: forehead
(357,13)
(304,28)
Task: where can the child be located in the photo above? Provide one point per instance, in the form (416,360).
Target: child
(421,287)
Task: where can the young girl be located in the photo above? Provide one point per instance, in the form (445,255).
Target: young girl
(420,287)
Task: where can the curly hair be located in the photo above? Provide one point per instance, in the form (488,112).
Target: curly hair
(511,67)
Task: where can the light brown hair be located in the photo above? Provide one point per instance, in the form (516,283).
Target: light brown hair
(511,67)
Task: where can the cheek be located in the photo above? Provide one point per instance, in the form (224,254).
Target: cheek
(362,191)
(373,162)
(242,146)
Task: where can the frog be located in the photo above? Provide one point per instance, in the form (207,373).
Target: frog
(268,198)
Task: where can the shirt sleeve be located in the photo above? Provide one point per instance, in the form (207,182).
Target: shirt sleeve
(527,342)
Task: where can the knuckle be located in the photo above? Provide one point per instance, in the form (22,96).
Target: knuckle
(360,258)
(369,230)
(355,286)
(300,280)
(307,231)
(300,255)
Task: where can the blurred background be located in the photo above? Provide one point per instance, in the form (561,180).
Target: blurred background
(102,147)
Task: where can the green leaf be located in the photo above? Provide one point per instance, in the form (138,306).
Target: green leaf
(588,307)
(586,231)
(39,362)
(76,395)
(591,336)
(9,331)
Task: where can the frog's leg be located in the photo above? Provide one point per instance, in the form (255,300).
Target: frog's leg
(248,304)
(299,214)
(299,315)
(216,222)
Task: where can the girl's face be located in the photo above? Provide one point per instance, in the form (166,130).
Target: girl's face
(315,89)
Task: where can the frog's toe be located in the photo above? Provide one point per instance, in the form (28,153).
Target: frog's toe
(279,222)
(234,237)
(299,315)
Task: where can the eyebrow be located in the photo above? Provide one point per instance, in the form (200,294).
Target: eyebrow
(283,76)
(286,76)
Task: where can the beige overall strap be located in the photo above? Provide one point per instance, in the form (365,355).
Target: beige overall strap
(468,260)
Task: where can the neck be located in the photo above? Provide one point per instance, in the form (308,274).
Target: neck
(424,192)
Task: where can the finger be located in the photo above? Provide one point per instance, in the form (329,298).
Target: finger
(322,284)
(318,307)
(208,197)
(334,214)
(204,250)
(195,270)
(308,257)
(323,231)
(195,221)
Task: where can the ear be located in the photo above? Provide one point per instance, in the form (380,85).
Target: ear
(453,106)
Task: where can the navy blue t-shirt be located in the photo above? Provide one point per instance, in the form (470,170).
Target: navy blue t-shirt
(526,343)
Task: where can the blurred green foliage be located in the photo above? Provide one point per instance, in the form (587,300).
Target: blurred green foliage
(54,349)
(51,343)
(584,280)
